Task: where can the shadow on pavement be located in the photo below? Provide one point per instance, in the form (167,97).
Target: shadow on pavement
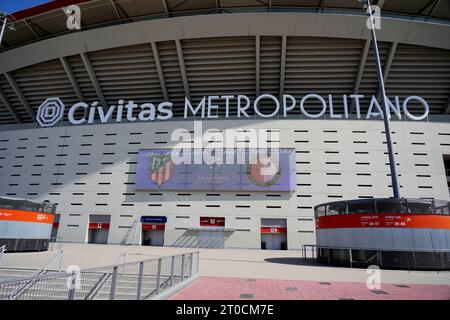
(295,261)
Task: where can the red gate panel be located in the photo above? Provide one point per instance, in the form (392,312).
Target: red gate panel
(149,226)
(93,225)
(273,229)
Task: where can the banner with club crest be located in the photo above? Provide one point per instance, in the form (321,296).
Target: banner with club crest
(262,170)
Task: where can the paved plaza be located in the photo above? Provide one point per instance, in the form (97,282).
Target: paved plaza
(253,274)
(276,289)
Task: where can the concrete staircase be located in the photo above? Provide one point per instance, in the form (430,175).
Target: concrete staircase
(55,288)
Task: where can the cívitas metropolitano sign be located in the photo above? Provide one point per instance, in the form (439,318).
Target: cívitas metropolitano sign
(52,110)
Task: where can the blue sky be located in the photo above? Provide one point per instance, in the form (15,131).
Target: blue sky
(11,6)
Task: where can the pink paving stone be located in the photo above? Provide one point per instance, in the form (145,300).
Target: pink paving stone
(228,288)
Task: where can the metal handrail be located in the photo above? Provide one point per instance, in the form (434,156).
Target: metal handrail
(137,262)
(98,286)
(370,259)
(2,250)
(20,290)
(376,249)
(26,205)
(116,263)
(131,230)
(403,206)
(119,258)
(162,285)
(40,277)
(109,276)
(103,279)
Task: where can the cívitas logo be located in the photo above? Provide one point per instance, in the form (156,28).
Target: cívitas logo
(50,112)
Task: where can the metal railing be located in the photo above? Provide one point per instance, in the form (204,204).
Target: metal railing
(439,255)
(25,285)
(2,251)
(95,291)
(28,205)
(138,280)
(132,231)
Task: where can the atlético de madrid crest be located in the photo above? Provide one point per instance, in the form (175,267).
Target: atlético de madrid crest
(264,174)
(160,168)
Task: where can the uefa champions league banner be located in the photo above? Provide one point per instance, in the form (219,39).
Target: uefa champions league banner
(159,169)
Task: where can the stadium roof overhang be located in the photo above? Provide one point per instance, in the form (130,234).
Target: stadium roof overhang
(48,19)
(250,24)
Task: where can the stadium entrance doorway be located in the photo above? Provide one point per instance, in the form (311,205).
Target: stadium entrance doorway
(273,234)
(211,233)
(98,228)
(153,235)
(153,230)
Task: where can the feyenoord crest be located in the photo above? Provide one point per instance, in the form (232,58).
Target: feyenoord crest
(161,168)
(264,173)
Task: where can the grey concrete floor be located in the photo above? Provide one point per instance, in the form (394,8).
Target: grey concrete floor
(244,263)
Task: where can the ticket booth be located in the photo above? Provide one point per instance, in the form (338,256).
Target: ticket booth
(153,230)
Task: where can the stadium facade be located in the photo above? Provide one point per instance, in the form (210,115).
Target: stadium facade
(300,72)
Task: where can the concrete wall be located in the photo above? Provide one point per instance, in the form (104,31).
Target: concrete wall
(90,170)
